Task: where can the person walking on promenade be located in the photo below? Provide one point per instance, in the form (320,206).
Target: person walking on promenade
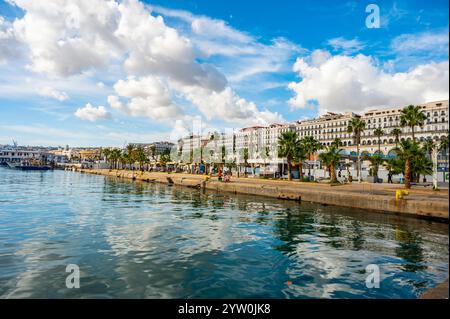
(390,178)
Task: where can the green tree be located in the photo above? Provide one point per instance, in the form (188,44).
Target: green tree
(311,146)
(300,155)
(378,133)
(408,152)
(396,132)
(287,146)
(131,157)
(443,147)
(394,166)
(428,146)
(357,126)
(246,156)
(331,157)
(140,157)
(412,116)
(107,155)
(375,162)
(153,150)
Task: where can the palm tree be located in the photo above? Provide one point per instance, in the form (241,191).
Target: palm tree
(245,160)
(107,154)
(396,132)
(140,156)
(375,162)
(428,146)
(443,146)
(311,146)
(412,116)
(331,157)
(153,150)
(357,126)
(115,157)
(379,133)
(408,151)
(300,155)
(393,165)
(287,146)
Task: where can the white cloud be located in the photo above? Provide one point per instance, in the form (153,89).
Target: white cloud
(10,48)
(67,37)
(91,113)
(48,91)
(343,83)
(247,56)
(229,107)
(147,97)
(345,46)
(407,44)
(214,29)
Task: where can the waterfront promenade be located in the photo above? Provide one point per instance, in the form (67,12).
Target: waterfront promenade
(375,197)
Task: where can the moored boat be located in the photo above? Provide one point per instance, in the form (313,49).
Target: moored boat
(29,167)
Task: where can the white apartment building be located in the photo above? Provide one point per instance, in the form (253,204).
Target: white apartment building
(326,128)
(436,125)
(261,142)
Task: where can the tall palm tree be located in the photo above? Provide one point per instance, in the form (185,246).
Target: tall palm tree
(287,145)
(357,126)
(396,132)
(443,146)
(331,157)
(246,156)
(140,157)
(412,116)
(375,162)
(311,146)
(407,152)
(428,146)
(153,150)
(107,154)
(130,154)
(379,133)
(300,156)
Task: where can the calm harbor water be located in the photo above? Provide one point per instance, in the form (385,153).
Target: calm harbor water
(138,240)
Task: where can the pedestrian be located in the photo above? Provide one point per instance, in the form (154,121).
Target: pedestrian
(390,178)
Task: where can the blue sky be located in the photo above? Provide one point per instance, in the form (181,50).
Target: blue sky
(129,76)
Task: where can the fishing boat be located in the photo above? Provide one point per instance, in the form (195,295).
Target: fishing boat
(27,166)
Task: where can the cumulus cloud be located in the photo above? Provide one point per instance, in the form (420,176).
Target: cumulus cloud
(145,97)
(228,106)
(69,37)
(247,56)
(48,91)
(91,113)
(10,48)
(343,83)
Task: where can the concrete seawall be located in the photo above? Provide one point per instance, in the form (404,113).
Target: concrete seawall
(420,202)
